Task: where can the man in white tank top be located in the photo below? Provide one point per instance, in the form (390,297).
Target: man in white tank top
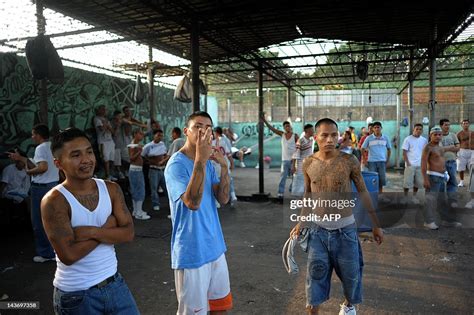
(288,148)
(83,219)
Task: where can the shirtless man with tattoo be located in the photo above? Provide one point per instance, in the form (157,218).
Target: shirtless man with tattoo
(197,243)
(329,172)
(435,177)
(83,218)
(465,156)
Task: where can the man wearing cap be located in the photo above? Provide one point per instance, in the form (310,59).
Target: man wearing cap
(435,177)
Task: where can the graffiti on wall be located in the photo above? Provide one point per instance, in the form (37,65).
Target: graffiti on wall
(73,103)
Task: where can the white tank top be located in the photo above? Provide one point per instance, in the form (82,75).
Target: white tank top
(100,263)
(288,147)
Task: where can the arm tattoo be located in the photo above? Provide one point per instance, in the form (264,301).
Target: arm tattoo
(198,174)
(224,185)
(60,224)
(122,201)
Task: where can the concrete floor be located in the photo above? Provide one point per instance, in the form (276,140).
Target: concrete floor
(414,271)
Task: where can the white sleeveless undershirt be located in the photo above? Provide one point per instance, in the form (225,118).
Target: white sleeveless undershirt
(288,147)
(100,263)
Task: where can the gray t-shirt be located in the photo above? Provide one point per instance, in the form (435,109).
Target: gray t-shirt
(446,141)
(175,146)
(120,139)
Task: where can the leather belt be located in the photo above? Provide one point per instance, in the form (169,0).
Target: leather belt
(157,167)
(106,281)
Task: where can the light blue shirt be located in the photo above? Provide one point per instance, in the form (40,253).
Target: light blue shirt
(377,147)
(197,237)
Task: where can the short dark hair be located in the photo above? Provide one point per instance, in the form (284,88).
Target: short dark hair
(351,128)
(307,126)
(218,130)
(465,120)
(177,130)
(442,121)
(42,130)
(418,125)
(198,113)
(125,107)
(157,131)
(65,136)
(370,125)
(327,121)
(377,123)
(286,122)
(117,112)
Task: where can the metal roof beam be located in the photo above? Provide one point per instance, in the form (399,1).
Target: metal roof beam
(442,44)
(214,41)
(341,83)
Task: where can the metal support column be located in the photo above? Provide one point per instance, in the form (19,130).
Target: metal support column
(303,120)
(151,90)
(397,141)
(411,97)
(260,196)
(432,101)
(288,102)
(43,90)
(229,112)
(205,96)
(260,129)
(195,65)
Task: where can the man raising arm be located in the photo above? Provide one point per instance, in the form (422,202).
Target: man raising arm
(197,243)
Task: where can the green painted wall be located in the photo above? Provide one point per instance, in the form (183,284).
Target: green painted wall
(72,103)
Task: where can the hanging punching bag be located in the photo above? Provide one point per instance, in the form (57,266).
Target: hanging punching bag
(43,60)
(138,92)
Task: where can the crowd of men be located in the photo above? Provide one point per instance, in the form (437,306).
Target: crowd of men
(77,217)
(429,163)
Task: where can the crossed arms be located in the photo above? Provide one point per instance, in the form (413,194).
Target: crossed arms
(72,244)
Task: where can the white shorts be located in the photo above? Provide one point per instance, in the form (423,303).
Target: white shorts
(412,177)
(121,155)
(464,159)
(107,149)
(203,289)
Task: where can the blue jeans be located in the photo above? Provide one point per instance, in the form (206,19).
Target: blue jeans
(284,173)
(114,298)
(379,168)
(156,178)
(43,247)
(436,200)
(452,184)
(337,250)
(137,184)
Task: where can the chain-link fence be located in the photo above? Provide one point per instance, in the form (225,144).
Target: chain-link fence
(454,103)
